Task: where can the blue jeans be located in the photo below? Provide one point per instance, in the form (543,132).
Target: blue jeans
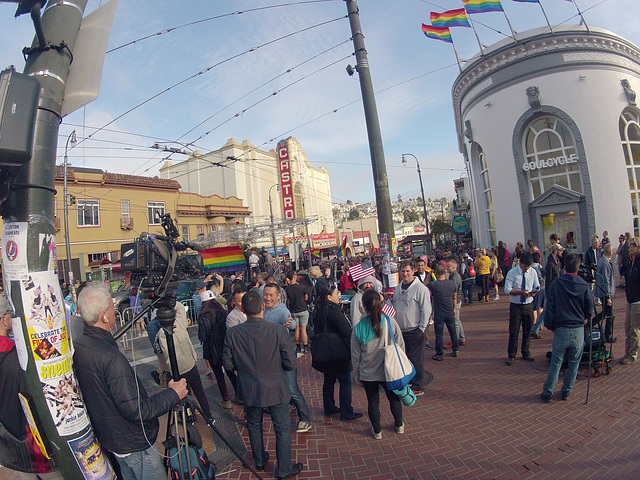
(438,326)
(467,289)
(539,322)
(281,425)
(144,465)
(329,403)
(297,398)
(569,342)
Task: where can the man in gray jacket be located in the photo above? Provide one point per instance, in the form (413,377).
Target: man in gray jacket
(261,352)
(413,308)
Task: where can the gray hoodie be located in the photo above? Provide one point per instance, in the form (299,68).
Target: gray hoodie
(413,306)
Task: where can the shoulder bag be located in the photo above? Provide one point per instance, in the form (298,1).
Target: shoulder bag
(327,348)
(398,370)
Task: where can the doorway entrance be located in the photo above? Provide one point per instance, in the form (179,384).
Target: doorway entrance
(566,226)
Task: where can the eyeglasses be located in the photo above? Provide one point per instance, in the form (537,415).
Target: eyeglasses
(633,245)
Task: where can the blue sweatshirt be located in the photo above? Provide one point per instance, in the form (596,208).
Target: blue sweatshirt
(569,303)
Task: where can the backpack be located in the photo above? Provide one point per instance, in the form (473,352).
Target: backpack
(472,271)
(201,467)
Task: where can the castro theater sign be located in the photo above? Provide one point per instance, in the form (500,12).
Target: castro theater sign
(550,162)
(286,186)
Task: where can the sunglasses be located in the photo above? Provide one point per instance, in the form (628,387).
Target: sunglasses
(633,245)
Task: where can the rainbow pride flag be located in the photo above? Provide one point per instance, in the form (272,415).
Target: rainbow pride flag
(439,33)
(482,6)
(223,258)
(342,251)
(317,254)
(450,18)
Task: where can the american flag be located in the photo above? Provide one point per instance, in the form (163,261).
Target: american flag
(358,272)
(388,310)
(307,251)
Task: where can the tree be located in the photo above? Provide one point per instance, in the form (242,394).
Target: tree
(439,228)
(410,215)
(353,214)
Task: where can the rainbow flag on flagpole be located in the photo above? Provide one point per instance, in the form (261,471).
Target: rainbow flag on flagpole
(342,251)
(223,258)
(317,254)
(439,33)
(482,6)
(451,18)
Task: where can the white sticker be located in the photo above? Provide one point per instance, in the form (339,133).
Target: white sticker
(14,250)
(21,344)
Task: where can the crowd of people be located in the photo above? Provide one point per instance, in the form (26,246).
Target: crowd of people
(254,329)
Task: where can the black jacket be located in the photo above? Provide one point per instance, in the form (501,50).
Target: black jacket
(212,328)
(110,390)
(569,303)
(632,276)
(551,272)
(329,317)
(11,382)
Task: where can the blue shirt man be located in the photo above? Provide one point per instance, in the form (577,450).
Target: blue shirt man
(521,285)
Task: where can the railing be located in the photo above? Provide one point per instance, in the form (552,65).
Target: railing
(139,329)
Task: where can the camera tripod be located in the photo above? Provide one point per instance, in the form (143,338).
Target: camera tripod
(166,315)
(603,357)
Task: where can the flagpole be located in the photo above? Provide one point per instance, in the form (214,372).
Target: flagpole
(581,16)
(474,31)
(457,59)
(545,15)
(513,33)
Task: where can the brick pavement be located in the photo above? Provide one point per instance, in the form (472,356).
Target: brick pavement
(479,419)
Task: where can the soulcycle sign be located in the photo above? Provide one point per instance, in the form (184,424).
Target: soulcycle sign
(550,162)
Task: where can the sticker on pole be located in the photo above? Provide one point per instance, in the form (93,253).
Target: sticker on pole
(14,250)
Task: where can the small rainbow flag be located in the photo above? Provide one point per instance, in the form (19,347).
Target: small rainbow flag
(482,6)
(439,33)
(223,258)
(342,251)
(317,254)
(451,18)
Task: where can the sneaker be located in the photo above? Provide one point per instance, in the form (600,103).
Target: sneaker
(237,401)
(454,353)
(335,411)
(448,345)
(303,426)
(400,429)
(627,360)
(509,361)
(355,416)
(437,358)
(428,346)
(226,404)
(461,343)
(497,297)
(537,336)
(417,393)
(378,435)
(545,398)
(597,302)
(565,395)
(528,358)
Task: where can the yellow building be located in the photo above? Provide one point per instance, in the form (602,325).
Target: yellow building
(108,209)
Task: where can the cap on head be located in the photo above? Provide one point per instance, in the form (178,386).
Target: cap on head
(207,295)
(5,306)
(200,285)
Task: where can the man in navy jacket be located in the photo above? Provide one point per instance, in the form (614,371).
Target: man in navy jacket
(569,305)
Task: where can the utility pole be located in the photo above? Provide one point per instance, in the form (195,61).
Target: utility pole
(380,179)
(40,328)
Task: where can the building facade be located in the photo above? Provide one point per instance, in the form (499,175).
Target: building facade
(550,132)
(297,190)
(108,209)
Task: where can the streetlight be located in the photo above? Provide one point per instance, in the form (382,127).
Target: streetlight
(71,139)
(273,232)
(424,205)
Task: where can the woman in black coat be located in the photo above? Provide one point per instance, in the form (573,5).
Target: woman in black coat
(211,332)
(334,358)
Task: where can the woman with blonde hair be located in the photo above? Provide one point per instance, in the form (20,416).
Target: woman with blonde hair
(483,268)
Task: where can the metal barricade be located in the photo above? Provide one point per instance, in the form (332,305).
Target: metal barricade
(137,330)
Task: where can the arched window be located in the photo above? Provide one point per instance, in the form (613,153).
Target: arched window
(629,126)
(550,156)
(489,219)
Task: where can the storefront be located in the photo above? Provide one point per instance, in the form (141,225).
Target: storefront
(550,132)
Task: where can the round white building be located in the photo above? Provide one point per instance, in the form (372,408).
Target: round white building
(550,132)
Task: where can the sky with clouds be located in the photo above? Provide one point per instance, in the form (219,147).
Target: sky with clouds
(299,49)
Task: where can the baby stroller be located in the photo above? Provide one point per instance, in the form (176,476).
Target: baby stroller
(597,353)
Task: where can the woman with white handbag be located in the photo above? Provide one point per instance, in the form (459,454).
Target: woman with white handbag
(367,357)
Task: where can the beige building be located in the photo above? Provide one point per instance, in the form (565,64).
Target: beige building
(297,189)
(108,209)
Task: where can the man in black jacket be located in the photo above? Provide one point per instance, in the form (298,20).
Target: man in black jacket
(632,291)
(569,305)
(124,417)
(261,352)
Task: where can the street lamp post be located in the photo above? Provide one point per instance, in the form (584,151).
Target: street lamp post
(424,205)
(71,139)
(273,232)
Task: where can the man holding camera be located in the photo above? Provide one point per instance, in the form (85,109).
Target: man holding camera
(521,284)
(569,306)
(124,418)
